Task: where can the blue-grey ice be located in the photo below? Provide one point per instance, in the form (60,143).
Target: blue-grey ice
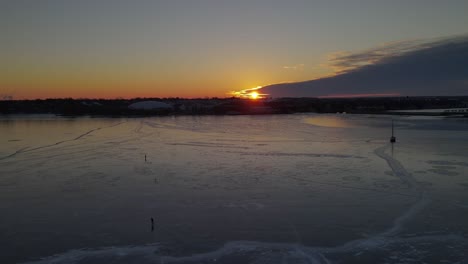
(299,188)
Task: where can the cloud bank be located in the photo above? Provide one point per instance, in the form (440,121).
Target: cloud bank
(409,68)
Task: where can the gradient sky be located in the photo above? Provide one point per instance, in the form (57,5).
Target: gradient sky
(109,49)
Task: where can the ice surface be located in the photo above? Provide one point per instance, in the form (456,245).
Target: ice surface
(233,189)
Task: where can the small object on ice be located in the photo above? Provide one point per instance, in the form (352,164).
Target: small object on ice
(145,157)
(393,138)
(152,224)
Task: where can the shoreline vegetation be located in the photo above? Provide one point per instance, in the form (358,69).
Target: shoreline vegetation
(427,106)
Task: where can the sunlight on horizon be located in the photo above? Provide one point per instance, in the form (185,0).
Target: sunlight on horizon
(254,95)
(250,93)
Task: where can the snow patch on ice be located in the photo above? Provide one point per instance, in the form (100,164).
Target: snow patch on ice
(396,166)
(264,252)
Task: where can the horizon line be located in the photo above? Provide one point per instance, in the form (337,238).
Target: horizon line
(337,96)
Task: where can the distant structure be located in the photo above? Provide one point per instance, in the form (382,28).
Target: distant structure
(149,105)
(393,138)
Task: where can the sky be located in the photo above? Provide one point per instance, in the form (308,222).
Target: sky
(210,48)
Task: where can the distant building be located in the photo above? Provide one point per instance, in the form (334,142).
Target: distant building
(150,105)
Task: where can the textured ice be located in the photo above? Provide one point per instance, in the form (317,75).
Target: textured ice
(244,189)
(389,251)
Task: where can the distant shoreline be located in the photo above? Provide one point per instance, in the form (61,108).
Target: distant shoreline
(142,107)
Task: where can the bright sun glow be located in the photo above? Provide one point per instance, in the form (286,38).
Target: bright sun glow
(253,95)
(250,93)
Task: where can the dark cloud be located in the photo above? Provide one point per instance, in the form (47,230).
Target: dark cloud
(438,67)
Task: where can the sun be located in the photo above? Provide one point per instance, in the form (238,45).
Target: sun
(254,95)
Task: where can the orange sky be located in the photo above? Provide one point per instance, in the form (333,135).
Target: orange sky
(85,48)
(62,79)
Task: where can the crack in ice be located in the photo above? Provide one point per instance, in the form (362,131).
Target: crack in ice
(27,149)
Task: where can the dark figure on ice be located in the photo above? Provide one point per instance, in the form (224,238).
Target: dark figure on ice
(393,138)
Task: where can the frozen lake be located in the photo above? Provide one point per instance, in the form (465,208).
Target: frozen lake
(233,189)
